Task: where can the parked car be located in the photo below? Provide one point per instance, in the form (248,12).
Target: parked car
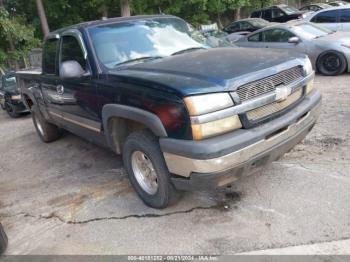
(183,116)
(234,37)
(338,3)
(10,97)
(278,13)
(329,51)
(246,25)
(3,240)
(315,7)
(336,18)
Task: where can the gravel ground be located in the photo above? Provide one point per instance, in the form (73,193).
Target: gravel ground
(72,197)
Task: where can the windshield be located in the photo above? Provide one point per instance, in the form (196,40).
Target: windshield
(9,82)
(289,10)
(310,31)
(134,40)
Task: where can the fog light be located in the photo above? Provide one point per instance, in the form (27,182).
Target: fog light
(16,97)
(310,86)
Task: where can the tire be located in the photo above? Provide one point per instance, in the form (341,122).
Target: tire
(144,146)
(46,131)
(3,240)
(331,63)
(11,111)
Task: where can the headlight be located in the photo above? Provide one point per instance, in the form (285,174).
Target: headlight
(201,131)
(211,103)
(16,97)
(202,104)
(308,67)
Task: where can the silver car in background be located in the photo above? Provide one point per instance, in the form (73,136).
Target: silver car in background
(336,18)
(328,51)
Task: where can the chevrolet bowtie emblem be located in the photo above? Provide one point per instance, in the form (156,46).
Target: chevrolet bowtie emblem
(282,93)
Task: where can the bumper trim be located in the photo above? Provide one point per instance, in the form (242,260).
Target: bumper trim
(205,181)
(185,166)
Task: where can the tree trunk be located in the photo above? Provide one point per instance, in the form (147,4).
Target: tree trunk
(125,7)
(13,49)
(42,16)
(104,11)
(238,14)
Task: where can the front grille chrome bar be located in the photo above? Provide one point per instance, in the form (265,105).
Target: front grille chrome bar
(248,105)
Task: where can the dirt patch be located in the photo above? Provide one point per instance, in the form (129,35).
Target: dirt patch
(71,199)
(325,143)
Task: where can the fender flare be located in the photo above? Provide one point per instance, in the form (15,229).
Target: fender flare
(31,97)
(146,118)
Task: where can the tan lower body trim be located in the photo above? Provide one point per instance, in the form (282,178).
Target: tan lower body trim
(74,120)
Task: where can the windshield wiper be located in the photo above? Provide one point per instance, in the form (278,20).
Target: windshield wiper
(187,50)
(144,58)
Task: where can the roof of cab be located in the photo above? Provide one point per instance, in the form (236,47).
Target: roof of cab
(108,21)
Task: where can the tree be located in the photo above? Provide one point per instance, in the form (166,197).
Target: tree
(125,7)
(17,39)
(42,16)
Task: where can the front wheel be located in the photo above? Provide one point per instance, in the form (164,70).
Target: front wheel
(11,111)
(148,173)
(331,63)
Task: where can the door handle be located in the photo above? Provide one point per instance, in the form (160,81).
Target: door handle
(60,90)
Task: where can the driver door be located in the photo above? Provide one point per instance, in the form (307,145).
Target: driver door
(78,105)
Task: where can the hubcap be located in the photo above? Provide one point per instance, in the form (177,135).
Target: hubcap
(332,63)
(144,172)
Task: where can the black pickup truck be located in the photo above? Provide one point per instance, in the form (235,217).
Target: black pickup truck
(183,115)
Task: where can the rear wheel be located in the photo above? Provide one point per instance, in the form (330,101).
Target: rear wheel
(148,174)
(331,63)
(47,132)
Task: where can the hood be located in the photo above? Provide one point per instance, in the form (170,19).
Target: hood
(337,37)
(212,70)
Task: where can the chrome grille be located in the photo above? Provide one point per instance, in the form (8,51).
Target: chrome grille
(269,84)
(274,107)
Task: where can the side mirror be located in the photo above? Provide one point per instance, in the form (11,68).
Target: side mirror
(71,69)
(294,40)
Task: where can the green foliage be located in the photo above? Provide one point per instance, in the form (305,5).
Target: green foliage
(18,38)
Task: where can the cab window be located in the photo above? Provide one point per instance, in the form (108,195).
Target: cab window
(277,36)
(245,26)
(233,27)
(277,13)
(326,17)
(255,38)
(50,54)
(345,16)
(256,14)
(71,50)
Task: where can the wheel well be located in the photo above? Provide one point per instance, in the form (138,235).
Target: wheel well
(119,129)
(28,101)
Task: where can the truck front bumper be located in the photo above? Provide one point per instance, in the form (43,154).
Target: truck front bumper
(221,160)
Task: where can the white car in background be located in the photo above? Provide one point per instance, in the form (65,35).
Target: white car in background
(336,18)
